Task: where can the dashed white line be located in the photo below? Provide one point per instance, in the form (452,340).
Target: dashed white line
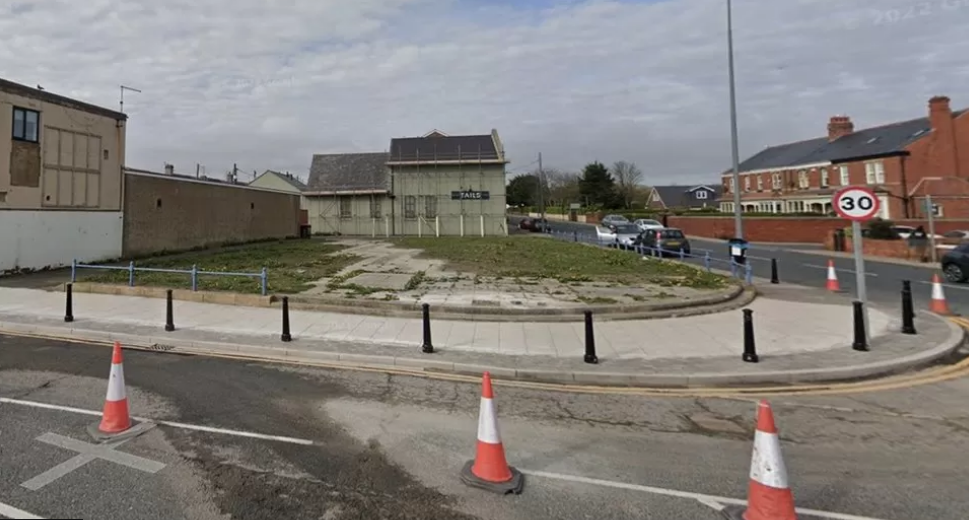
(852,271)
(948,286)
(709,500)
(16,514)
(173,424)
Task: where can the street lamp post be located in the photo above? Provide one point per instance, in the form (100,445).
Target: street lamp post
(735,149)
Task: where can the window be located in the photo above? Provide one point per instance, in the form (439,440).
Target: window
(875,172)
(701,194)
(346,207)
(802,179)
(430,207)
(824,177)
(25,124)
(776,181)
(410,206)
(730,185)
(760,183)
(843,172)
(375,208)
(747,183)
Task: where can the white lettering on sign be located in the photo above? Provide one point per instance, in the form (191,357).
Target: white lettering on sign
(856,203)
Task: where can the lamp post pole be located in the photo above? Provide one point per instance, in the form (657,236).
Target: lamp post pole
(735,149)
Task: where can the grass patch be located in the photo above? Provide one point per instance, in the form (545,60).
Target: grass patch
(291,266)
(568,262)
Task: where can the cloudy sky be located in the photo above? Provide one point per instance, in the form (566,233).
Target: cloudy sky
(267,83)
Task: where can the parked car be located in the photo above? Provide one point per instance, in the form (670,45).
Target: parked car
(535,225)
(611,221)
(958,234)
(955,263)
(622,236)
(903,232)
(669,240)
(645,223)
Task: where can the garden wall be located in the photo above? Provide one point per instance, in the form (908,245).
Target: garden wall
(787,229)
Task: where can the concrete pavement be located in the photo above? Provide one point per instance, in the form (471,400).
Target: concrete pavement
(265,442)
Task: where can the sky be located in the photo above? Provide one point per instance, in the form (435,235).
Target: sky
(265,84)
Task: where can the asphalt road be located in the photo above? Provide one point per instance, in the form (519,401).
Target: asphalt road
(883,279)
(362,445)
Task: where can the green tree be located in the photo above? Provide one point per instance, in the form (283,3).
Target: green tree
(522,190)
(597,185)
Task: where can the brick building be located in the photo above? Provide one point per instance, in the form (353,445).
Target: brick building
(902,162)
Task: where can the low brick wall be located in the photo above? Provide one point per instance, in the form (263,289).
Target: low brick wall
(887,249)
(787,229)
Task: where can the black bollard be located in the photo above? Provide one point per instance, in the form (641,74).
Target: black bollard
(774,278)
(427,347)
(169,312)
(908,312)
(286,336)
(590,340)
(750,348)
(861,339)
(69,312)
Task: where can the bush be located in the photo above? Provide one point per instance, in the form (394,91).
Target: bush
(879,229)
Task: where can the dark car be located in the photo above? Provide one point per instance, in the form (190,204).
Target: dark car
(955,264)
(535,225)
(669,240)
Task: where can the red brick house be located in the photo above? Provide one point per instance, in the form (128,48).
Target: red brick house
(902,162)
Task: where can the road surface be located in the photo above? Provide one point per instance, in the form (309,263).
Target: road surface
(255,441)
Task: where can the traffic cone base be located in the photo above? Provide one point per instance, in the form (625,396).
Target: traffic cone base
(832,282)
(490,470)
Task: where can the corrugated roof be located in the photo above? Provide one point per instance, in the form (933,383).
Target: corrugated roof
(348,172)
(869,142)
(437,147)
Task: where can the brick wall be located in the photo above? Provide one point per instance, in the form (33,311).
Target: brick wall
(887,248)
(787,229)
(163,213)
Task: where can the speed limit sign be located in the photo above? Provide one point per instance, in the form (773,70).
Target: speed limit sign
(856,203)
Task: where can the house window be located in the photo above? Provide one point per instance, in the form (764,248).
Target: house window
(802,179)
(375,208)
(25,124)
(843,172)
(747,183)
(776,181)
(760,183)
(729,185)
(410,206)
(875,172)
(701,194)
(430,207)
(346,207)
(824,177)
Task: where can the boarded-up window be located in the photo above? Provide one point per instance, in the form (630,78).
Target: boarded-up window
(346,207)
(72,168)
(375,210)
(25,164)
(410,206)
(430,207)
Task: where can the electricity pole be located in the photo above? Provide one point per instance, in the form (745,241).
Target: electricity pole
(735,149)
(541,188)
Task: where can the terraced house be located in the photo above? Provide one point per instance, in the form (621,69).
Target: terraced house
(902,162)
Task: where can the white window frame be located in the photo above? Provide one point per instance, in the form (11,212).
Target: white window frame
(701,194)
(845,178)
(802,179)
(429,206)
(875,172)
(776,181)
(410,207)
(824,177)
(760,183)
(346,213)
(747,183)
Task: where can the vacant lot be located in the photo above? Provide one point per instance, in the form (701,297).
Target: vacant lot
(291,266)
(535,257)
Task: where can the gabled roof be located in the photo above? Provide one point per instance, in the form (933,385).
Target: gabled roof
(348,172)
(678,196)
(437,147)
(287,177)
(870,142)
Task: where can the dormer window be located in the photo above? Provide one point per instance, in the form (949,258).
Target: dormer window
(701,194)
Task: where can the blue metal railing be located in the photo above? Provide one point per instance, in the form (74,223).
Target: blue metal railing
(194,272)
(737,270)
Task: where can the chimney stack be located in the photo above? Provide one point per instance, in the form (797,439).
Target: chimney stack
(943,128)
(169,169)
(839,126)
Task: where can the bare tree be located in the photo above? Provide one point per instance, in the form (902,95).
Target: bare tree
(563,187)
(627,177)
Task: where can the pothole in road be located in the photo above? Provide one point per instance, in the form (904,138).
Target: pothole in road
(711,423)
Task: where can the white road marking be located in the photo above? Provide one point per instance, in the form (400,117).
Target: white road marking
(699,497)
(173,424)
(852,271)
(948,286)
(87,453)
(16,514)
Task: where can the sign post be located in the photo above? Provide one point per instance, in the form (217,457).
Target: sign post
(858,204)
(930,211)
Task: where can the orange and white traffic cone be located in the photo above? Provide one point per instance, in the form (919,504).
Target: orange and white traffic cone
(489,470)
(115,418)
(938,304)
(769,496)
(833,284)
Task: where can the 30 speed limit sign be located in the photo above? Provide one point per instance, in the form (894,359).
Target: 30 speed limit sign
(856,203)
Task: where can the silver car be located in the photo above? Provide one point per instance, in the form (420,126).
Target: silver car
(646,223)
(610,221)
(622,236)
